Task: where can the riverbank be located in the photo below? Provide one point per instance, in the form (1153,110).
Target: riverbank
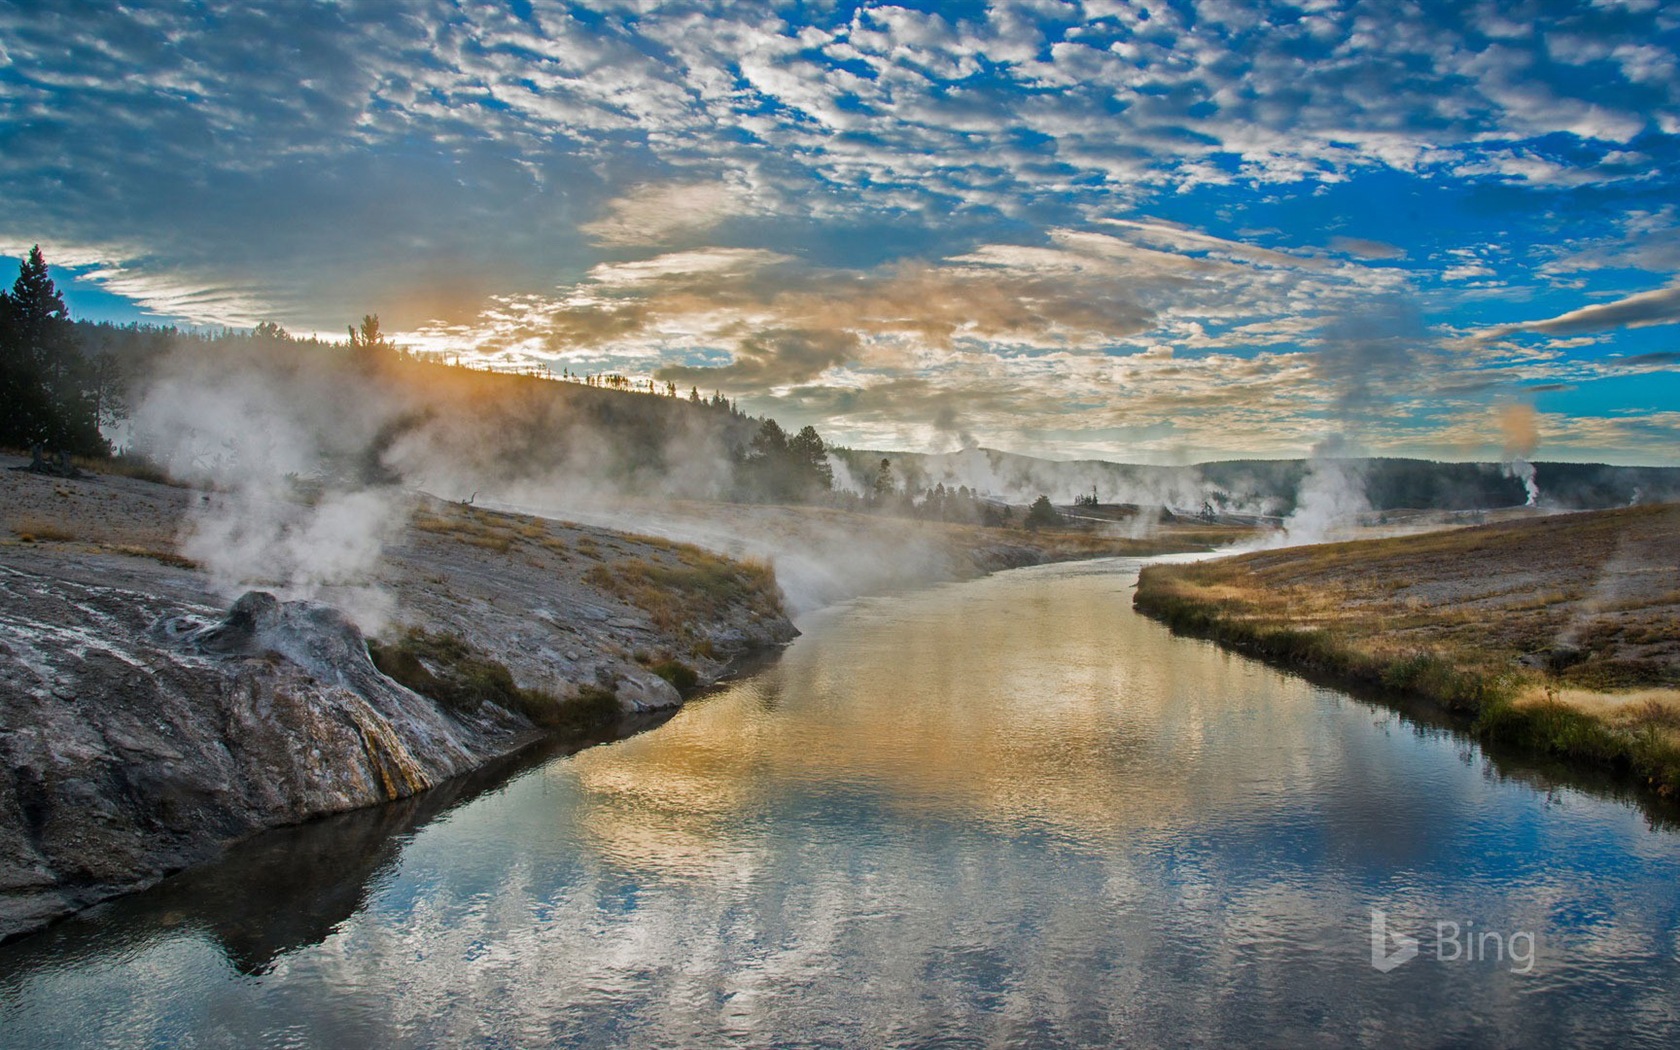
(1558,636)
(144,724)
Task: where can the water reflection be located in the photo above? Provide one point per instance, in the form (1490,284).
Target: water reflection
(1001,813)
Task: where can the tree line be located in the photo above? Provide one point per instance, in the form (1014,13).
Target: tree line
(62,380)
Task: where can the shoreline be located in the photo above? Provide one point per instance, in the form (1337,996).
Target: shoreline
(1350,615)
(194,728)
(145,726)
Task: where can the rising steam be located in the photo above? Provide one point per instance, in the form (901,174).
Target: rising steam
(1520,427)
(1331,496)
(281,457)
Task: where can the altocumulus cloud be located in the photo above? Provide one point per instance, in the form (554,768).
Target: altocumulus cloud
(1149,222)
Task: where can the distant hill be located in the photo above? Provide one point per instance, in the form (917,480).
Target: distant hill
(194,402)
(452,429)
(1269,487)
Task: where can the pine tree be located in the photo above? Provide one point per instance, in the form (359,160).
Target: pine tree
(46,385)
(1042,513)
(372,345)
(810,460)
(885,484)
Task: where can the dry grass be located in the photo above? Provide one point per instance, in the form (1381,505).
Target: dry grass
(125,465)
(1576,651)
(486,530)
(42,530)
(166,557)
(690,585)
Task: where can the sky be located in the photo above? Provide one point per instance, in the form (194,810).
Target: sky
(1148,232)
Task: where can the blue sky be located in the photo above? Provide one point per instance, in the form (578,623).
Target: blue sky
(1153,231)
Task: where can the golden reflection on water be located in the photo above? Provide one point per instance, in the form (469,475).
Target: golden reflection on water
(1073,724)
(1008,813)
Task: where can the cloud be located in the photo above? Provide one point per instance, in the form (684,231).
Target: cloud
(656,214)
(773,358)
(1001,202)
(1366,249)
(1658,360)
(1659,306)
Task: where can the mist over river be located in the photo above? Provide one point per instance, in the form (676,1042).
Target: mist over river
(1007,812)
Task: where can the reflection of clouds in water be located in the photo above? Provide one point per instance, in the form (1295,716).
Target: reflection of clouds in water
(1006,812)
(1033,706)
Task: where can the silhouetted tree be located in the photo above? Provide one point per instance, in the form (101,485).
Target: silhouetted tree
(884,482)
(370,344)
(48,393)
(1041,513)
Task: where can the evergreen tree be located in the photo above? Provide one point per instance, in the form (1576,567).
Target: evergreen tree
(1042,513)
(371,346)
(810,460)
(884,481)
(769,471)
(46,385)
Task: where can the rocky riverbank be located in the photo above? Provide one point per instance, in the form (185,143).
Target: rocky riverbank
(145,723)
(152,709)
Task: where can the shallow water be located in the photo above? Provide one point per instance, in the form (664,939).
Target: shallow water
(1002,813)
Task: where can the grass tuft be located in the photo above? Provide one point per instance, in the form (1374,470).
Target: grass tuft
(679,674)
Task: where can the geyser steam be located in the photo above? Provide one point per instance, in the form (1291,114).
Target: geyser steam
(1331,495)
(1520,426)
(292,502)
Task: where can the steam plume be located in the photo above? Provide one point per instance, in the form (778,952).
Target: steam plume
(1520,426)
(1331,495)
(280,455)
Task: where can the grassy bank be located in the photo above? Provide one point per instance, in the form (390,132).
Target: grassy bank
(1559,636)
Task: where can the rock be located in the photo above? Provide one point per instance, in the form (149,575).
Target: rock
(139,740)
(646,692)
(1556,659)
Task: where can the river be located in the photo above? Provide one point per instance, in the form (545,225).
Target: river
(1008,812)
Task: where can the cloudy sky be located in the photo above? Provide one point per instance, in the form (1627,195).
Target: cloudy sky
(1150,231)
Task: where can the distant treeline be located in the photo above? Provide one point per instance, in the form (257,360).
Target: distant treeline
(65,385)
(390,414)
(1268,488)
(1420,484)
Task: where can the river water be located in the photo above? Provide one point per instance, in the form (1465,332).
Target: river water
(1008,812)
